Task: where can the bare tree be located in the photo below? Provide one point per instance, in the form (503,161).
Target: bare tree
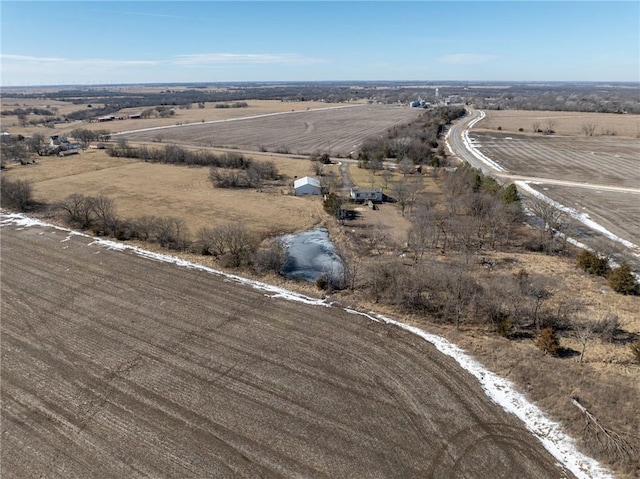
(105,216)
(386,176)
(404,192)
(78,209)
(535,126)
(272,258)
(584,330)
(589,128)
(37,143)
(171,233)
(551,124)
(15,193)
(405,166)
(552,218)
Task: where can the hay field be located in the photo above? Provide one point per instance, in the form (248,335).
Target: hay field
(140,188)
(338,130)
(566,122)
(181,116)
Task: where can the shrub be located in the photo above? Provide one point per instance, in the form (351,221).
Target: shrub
(548,342)
(505,326)
(270,259)
(16,194)
(593,263)
(622,280)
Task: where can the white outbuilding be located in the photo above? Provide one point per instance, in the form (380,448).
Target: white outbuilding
(306,186)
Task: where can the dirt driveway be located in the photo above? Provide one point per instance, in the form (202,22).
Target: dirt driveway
(115,365)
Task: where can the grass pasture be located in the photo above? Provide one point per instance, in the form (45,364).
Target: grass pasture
(336,130)
(566,122)
(140,188)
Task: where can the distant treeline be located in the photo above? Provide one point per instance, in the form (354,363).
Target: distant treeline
(416,141)
(228,170)
(176,155)
(586,96)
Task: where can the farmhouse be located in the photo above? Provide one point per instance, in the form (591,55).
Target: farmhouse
(96,145)
(363,194)
(306,186)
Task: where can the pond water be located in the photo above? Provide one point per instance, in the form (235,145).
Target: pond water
(311,254)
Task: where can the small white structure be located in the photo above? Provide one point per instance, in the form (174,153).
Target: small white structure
(361,194)
(306,186)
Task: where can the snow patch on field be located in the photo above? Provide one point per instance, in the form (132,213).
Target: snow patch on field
(581,217)
(472,146)
(497,389)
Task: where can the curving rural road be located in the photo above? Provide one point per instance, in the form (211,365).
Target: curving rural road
(115,365)
(461,145)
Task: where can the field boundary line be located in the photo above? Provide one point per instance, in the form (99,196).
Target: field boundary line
(498,389)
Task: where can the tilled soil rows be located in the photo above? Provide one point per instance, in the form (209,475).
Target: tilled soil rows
(335,130)
(115,365)
(602,161)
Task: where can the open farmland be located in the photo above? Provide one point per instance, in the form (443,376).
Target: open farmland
(618,212)
(564,122)
(599,161)
(180,116)
(598,176)
(336,130)
(140,188)
(114,365)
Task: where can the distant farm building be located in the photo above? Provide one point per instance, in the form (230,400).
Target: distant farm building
(306,186)
(419,103)
(96,145)
(362,194)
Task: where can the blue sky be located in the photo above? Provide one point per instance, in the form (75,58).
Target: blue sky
(146,41)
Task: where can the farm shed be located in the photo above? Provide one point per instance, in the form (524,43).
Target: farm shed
(96,145)
(362,194)
(306,186)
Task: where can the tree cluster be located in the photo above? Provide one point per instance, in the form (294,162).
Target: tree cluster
(86,136)
(620,278)
(254,175)
(177,155)
(416,141)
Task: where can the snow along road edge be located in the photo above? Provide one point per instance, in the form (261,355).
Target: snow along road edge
(498,389)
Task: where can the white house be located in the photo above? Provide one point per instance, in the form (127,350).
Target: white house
(306,186)
(362,194)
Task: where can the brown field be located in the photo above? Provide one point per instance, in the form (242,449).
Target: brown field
(140,188)
(338,131)
(181,116)
(566,123)
(114,365)
(594,161)
(618,212)
(598,161)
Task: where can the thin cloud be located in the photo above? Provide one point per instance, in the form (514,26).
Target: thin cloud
(31,59)
(86,62)
(467,58)
(204,59)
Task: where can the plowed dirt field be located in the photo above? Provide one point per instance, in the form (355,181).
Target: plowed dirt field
(114,365)
(337,130)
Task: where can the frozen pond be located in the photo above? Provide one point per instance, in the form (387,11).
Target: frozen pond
(311,254)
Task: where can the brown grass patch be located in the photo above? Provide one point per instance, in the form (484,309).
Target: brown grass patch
(566,122)
(140,188)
